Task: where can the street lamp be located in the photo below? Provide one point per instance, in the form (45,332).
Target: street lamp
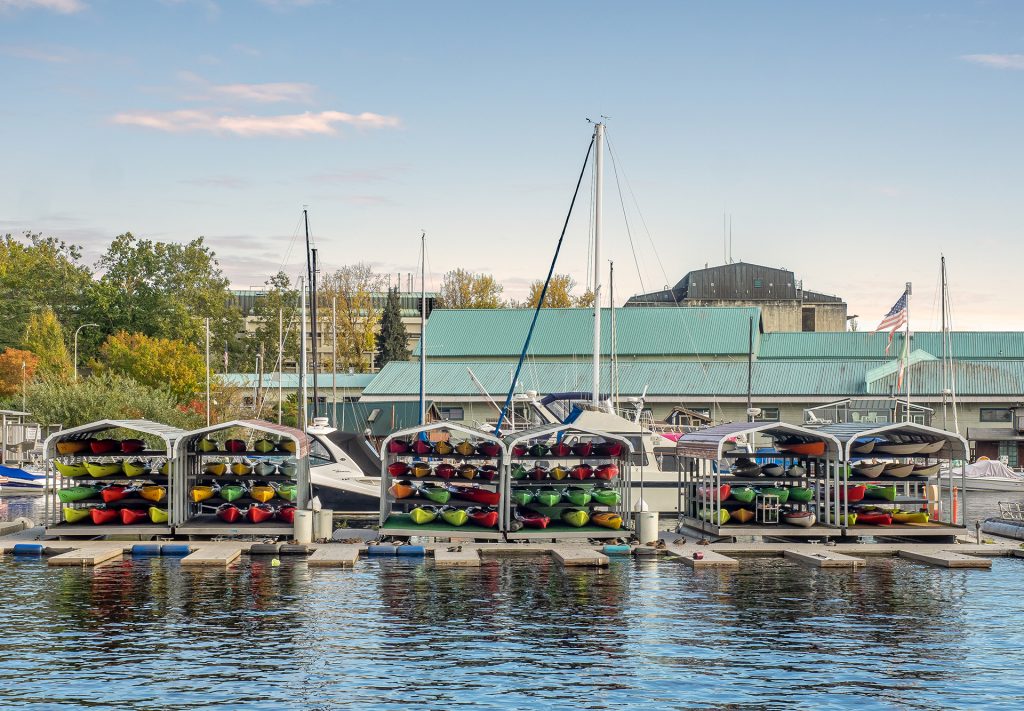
(76,344)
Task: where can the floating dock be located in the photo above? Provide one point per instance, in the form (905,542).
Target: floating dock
(824,558)
(946,559)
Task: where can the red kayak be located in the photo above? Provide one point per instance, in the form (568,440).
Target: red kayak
(286,514)
(855,493)
(538,473)
(475,494)
(608,449)
(874,518)
(398,446)
(532,519)
(582,449)
(132,516)
(229,513)
(132,446)
(489,449)
(421,447)
(258,513)
(445,470)
(519,450)
(607,472)
(234,445)
(485,518)
(398,469)
(104,446)
(560,449)
(102,516)
(709,493)
(581,472)
(113,493)
(488,472)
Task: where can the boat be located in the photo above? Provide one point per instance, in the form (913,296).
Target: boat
(582,449)
(538,473)
(577,496)
(437,494)
(796,472)
(264,468)
(72,446)
(806,449)
(910,516)
(287,469)
(869,470)
(522,497)
(532,519)
(605,497)
(258,513)
(130,517)
(849,519)
(241,468)
(606,472)
(76,493)
(443,448)
(489,449)
(235,446)
(483,517)
(157,515)
(558,473)
(215,468)
(467,471)
(608,449)
(803,519)
(72,515)
(70,471)
(863,447)
(716,516)
(722,493)
(444,470)
(519,450)
(548,497)
(398,469)
(560,449)
(899,470)
(398,446)
(990,475)
(454,516)
(98,470)
(581,472)
(874,518)
(133,467)
(286,514)
(165,468)
(745,468)
(229,513)
(488,472)
(201,493)
(114,492)
(772,469)
(743,494)
(606,519)
(783,494)
(153,493)
(288,492)
(538,449)
(402,489)
(465,448)
(578,518)
(897,449)
(262,493)
(475,494)
(233,492)
(932,447)
(286,445)
(104,446)
(853,493)
(800,494)
(263,446)
(518,471)
(132,446)
(101,515)
(925,469)
(881,493)
(742,515)
(421,447)
(207,445)
(420,469)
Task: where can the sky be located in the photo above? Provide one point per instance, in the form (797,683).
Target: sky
(852,142)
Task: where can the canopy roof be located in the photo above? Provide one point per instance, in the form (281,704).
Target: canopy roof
(847,433)
(441,425)
(167,433)
(298,436)
(708,443)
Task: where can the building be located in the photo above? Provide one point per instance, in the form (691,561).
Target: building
(784,303)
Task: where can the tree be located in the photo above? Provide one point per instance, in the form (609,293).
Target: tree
(462,289)
(559,294)
(45,337)
(279,299)
(16,367)
(354,287)
(392,343)
(164,363)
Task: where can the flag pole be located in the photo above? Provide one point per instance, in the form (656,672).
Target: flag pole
(906,353)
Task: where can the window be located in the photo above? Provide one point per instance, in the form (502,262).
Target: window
(318,454)
(995,414)
(452,413)
(807,319)
(1008,450)
(768,414)
(757,283)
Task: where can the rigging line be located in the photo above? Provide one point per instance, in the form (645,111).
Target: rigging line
(291,246)
(590,232)
(544,290)
(625,218)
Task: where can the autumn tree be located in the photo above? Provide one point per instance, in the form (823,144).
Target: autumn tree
(353,288)
(393,341)
(45,337)
(462,289)
(559,295)
(16,367)
(279,302)
(173,365)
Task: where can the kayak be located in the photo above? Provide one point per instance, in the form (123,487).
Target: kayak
(772,469)
(154,493)
(519,450)
(402,490)
(925,469)
(264,468)
(229,513)
(201,493)
(577,496)
(286,445)
(558,473)
(444,470)
(104,446)
(898,469)
(743,494)
(215,468)
(796,471)
(518,471)
(607,519)
(804,519)
(606,472)
(548,497)
(241,468)
(608,449)
(165,468)
(70,471)
(742,515)
(560,449)
(420,469)
(264,446)
(421,447)
(453,516)
(134,467)
(114,492)
(709,493)
(232,493)
(800,494)
(437,494)
(884,493)
(157,515)
(234,446)
(288,492)
(207,445)
(749,469)
(487,472)
(538,473)
(532,519)
(258,513)
(783,494)
(398,469)
(76,493)
(398,446)
(467,471)
(72,446)
(286,514)
(576,517)
(75,515)
(132,446)
(868,470)
(485,518)
(130,517)
(287,469)
(262,493)
(719,516)
(582,449)
(863,447)
(465,448)
(97,470)
(522,497)
(847,519)
(476,495)
(538,449)
(807,449)
(910,517)
(443,448)
(102,516)
(605,497)
(581,472)
(854,493)
(489,449)
(874,518)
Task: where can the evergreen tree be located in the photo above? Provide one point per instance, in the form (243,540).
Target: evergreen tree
(392,342)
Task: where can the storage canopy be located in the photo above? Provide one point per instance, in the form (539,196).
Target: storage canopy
(170,435)
(899,432)
(710,443)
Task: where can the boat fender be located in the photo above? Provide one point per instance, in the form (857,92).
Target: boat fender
(411,551)
(175,550)
(33,550)
(617,550)
(263,549)
(294,549)
(140,550)
(380,550)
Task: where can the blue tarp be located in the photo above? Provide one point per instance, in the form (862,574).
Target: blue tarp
(12,473)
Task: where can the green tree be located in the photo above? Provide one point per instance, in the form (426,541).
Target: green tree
(462,289)
(353,288)
(559,294)
(279,299)
(17,367)
(45,337)
(393,341)
(164,363)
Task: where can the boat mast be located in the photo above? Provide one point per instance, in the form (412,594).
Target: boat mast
(906,353)
(334,362)
(280,363)
(300,415)
(314,347)
(423,328)
(945,371)
(598,191)
(614,365)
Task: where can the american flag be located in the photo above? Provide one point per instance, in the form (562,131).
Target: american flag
(896,317)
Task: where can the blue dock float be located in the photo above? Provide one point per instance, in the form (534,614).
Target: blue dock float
(145,550)
(617,550)
(411,551)
(380,550)
(27,550)
(175,550)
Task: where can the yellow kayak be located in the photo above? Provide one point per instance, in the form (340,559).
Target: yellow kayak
(134,467)
(263,494)
(241,468)
(742,515)
(165,468)
(75,515)
(719,516)
(207,445)
(465,448)
(444,447)
(557,472)
(157,515)
(155,494)
(420,470)
(607,519)
(215,468)
(263,446)
(201,493)
(97,470)
(910,517)
(287,445)
(70,470)
(423,514)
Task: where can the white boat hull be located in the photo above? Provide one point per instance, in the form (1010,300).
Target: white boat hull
(990,484)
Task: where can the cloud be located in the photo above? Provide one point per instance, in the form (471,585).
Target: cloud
(39,54)
(65,7)
(219,181)
(265,93)
(304,124)
(996,61)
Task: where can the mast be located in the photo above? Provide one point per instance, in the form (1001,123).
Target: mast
(300,415)
(334,362)
(280,363)
(315,341)
(614,367)
(945,371)
(906,354)
(423,328)
(598,192)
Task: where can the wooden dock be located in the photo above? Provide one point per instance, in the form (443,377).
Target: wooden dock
(699,557)
(579,556)
(335,555)
(824,558)
(89,555)
(946,559)
(213,555)
(459,558)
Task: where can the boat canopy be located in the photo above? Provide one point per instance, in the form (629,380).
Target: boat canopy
(300,438)
(711,443)
(170,435)
(446,425)
(899,432)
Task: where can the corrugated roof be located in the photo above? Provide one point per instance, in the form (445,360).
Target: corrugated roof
(708,442)
(476,333)
(964,345)
(291,380)
(977,377)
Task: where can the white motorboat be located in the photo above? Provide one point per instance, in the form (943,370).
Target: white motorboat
(990,475)
(344,469)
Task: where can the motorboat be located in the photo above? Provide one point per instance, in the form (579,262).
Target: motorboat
(989,475)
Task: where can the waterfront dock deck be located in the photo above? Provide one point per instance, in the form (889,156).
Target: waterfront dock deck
(946,559)
(823,558)
(88,555)
(459,558)
(336,555)
(213,554)
(579,556)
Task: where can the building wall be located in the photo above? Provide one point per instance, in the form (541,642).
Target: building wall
(787,315)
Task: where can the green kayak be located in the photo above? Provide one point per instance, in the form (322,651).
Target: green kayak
(606,497)
(76,493)
(538,449)
(548,497)
(518,471)
(716,516)
(783,494)
(423,514)
(743,494)
(437,494)
(454,517)
(232,493)
(800,494)
(577,496)
(883,493)
(576,517)
(287,492)
(522,497)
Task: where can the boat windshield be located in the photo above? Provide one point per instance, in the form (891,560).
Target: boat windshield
(318,454)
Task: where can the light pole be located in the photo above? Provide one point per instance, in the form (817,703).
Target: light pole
(76,344)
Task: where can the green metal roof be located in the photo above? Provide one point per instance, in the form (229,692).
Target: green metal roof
(500,333)
(291,380)
(976,377)
(381,418)
(964,345)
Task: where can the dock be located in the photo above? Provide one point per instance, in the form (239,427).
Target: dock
(459,558)
(946,559)
(699,557)
(90,555)
(824,558)
(579,556)
(340,555)
(213,555)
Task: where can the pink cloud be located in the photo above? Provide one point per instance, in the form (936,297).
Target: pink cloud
(997,61)
(65,7)
(304,124)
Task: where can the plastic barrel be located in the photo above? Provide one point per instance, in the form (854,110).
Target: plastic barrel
(34,550)
(380,550)
(323,524)
(175,550)
(303,526)
(145,550)
(647,526)
(411,551)
(617,550)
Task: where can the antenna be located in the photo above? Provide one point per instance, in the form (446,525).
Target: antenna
(730,238)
